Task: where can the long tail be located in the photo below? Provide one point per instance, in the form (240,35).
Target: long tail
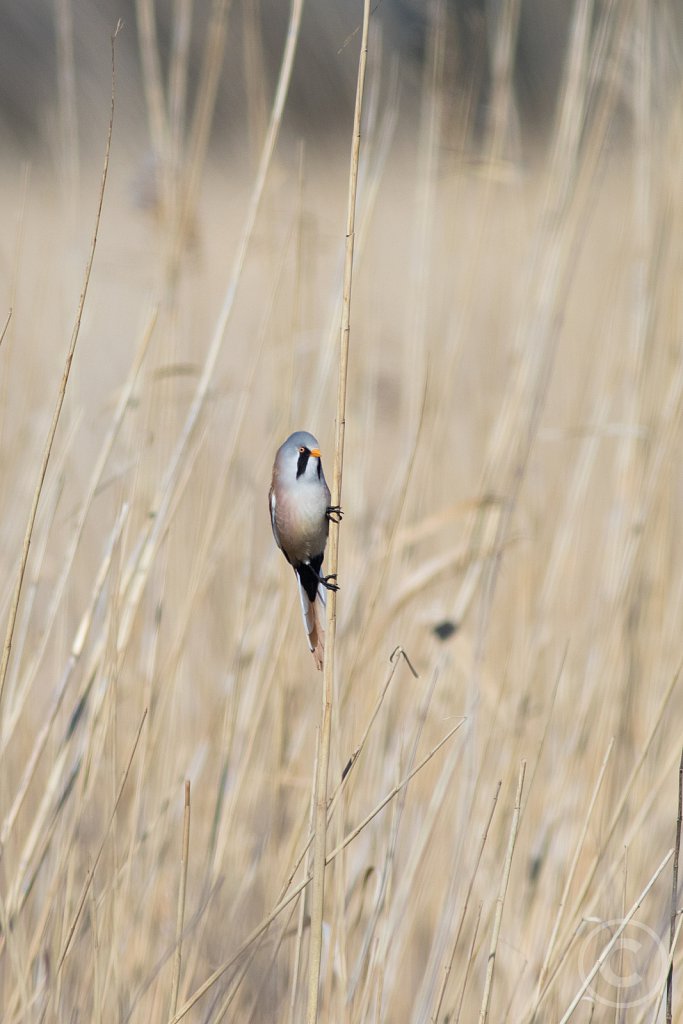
(313,613)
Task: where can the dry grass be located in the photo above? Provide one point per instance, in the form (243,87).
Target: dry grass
(512,466)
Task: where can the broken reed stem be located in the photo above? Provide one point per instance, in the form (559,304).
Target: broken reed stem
(180,916)
(319,848)
(500,903)
(674,896)
(47,451)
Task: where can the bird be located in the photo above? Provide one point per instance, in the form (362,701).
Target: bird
(300,515)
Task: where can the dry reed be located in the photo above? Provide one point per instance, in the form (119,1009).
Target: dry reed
(512,449)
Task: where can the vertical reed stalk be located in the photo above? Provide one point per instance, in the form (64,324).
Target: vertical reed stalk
(319,847)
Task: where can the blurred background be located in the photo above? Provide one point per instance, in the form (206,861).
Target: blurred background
(512,489)
(54,54)
(38,37)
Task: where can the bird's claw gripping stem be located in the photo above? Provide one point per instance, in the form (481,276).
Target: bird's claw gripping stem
(334,513)
(325,580)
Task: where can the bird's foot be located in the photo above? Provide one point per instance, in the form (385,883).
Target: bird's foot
(334,513)
(325,580)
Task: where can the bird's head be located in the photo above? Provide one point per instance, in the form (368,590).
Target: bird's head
(299,458)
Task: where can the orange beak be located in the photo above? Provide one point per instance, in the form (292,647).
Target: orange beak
(315,452)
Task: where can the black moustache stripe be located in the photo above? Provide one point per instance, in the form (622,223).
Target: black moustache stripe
(302,463)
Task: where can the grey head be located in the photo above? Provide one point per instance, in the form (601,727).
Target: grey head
(299,459)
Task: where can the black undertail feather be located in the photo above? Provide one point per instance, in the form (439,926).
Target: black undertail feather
(309,574)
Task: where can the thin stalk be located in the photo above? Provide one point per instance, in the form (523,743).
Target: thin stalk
(674,897)
(21,691)
(287,899)
(182,889)
(302,902)
(66,945)
(500,903)
(609,832)
(613,941)
(451,956)
(164,499)
(670,961)
(470,961)
(572,870)
(319,848)
(47,451)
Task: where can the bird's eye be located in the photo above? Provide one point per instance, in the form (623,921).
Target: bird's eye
(302,450)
